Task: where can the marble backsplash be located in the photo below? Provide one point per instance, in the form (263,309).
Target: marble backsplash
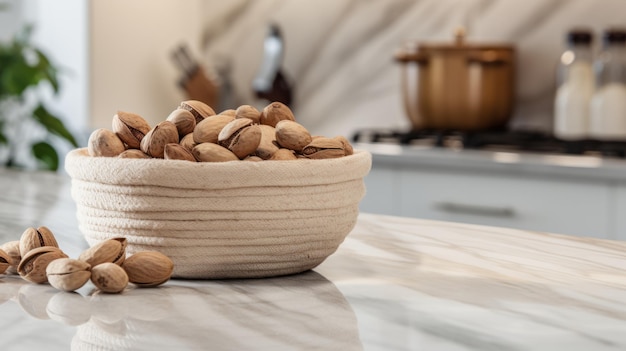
(339,54)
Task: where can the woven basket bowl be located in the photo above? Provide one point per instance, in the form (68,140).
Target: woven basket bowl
(221,220)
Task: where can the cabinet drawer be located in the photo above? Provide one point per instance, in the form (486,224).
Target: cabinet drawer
(620,212)
(381,189)
(567,207)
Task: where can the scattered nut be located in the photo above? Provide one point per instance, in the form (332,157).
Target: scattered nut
(68,274)
(33,238)
(34,263)
(5,261)
(148,268)
(111,250)
(109,277)
(12,248)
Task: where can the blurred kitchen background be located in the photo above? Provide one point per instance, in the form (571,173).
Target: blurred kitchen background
(337,64)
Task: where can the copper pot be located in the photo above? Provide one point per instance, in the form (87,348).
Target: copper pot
(458,86)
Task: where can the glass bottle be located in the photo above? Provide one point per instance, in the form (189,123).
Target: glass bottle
(575,87)
(608,105)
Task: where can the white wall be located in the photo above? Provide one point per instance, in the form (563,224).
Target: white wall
(61,30)
(10,18)
(131,68)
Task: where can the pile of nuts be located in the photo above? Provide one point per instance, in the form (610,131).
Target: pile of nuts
(36,257)
(194,132)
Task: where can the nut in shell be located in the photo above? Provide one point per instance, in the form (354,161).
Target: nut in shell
(12,248)
(276,112)
(33,238)
(321,148)
(208,130)
(68,274)
(284,155)
(133,153)
(104,143)
(148,268)
(230,129)
(266,147)
(347,147)
(209,152)
(5,261)
(111,250)
(130,128)
(178,152)
(34,263)
(162,134)
(187,142)
(199,109)
(292,135)
(184,121)
(246,141)
(241,137)
(109,277)
(229,112)
(247,111)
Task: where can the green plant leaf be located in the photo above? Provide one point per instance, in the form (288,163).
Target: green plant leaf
(47,155)
(19,76)
(47,70)
(53,124)
(3,138)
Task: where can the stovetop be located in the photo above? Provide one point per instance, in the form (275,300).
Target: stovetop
(494,140)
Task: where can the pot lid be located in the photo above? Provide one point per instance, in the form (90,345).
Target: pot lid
(413,50)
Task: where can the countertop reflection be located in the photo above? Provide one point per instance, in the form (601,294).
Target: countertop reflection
(394,284)
(303,312)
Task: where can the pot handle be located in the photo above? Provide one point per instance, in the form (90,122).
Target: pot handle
(489,57)
(405,57)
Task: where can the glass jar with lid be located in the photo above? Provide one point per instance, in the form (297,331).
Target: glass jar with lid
(575,86)
(608,104)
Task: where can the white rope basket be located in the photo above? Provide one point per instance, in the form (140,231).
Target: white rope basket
(221,220)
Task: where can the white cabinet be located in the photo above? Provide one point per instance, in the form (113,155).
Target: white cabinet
(542,203)
(566,207)
(619,214)
(382,187)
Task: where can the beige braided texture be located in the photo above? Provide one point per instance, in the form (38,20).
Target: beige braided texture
(221,220)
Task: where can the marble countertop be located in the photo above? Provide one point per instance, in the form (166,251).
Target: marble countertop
(394,284)
(585,167)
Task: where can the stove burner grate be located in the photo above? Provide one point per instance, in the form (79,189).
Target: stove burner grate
(497,140)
